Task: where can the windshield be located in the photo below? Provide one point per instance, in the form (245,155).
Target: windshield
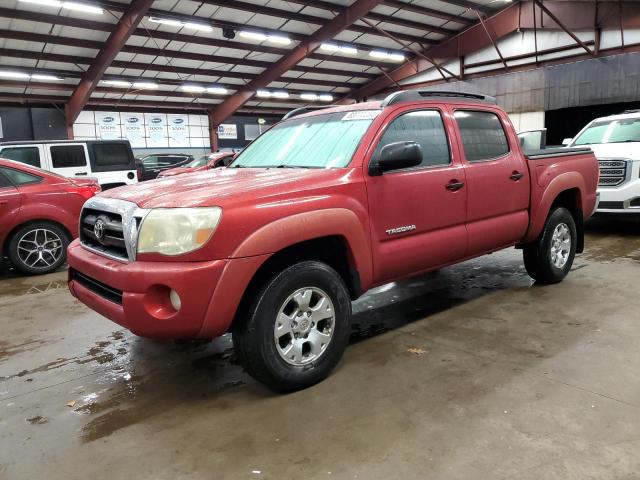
(199,162)
(320,141)
(611,131)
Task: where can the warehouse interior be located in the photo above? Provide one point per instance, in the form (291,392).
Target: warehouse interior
(472,370)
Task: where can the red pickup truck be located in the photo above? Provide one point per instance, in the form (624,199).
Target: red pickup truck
(317,210)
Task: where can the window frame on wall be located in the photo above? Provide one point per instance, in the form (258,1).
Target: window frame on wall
(422,166)
(461,135)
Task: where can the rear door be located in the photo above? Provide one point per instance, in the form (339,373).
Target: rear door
(417,217)
(68,159)
(29,154)
(497,180)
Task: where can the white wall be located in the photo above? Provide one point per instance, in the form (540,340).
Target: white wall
(155,131)
(527,121)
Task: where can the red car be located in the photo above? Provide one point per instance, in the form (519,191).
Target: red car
(316,211)
(213,160)
(39,214)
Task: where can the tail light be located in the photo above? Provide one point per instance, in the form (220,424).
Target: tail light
(139,172)
(85,191)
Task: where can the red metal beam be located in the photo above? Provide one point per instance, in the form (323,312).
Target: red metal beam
(118,37)
(563,27)
(332,28)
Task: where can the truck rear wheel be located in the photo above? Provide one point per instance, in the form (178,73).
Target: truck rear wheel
(296,328)
(550,258)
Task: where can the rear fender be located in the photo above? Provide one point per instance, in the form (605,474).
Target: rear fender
(540,209)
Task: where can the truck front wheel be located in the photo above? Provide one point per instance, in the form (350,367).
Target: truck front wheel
(549,259)
(296,328)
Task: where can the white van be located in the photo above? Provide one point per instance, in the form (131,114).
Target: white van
(110,161)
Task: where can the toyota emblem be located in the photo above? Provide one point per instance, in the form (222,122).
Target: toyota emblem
(98,229)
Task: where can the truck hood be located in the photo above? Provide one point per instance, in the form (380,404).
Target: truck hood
(222,185)
(616,150)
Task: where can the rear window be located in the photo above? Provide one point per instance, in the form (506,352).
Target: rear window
(111,155)
(68,156)
(19,178)
(482,135)
(28,155)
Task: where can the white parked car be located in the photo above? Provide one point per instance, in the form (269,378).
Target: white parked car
(111,162)
(616,142)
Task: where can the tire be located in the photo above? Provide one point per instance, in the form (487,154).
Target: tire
(48,252)
(549,259)
(294,362)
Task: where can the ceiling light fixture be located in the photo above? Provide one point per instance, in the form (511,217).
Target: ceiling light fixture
(145,85)
(46,3)
(117,83)
(263,93)
(198,26)
(193,88)
(280,94)
(333,47)
(279,39)
(218,90)
(325,97)
(45,77)
(253,35)
(261,37)
(18,75)
(312,97)
(166,21)
(82,7)
(394,57)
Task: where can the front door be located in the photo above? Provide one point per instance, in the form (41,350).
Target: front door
(10,200)
(418,214)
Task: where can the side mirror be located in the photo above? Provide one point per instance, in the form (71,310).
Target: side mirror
(567,141)
(396,156)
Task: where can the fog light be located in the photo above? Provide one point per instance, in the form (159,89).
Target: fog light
(175,300)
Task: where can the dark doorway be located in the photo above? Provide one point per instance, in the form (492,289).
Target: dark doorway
(567,122)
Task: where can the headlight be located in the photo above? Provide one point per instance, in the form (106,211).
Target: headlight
(174,231)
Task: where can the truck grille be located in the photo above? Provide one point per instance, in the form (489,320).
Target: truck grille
(103,231)
(613,172)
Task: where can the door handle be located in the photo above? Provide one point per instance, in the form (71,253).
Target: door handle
(454,185)
(79,174)
(515,176)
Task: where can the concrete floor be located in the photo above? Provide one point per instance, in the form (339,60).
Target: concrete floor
(468,373)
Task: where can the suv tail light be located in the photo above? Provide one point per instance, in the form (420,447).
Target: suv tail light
(139,172)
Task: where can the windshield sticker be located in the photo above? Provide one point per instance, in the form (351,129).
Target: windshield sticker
(361,115)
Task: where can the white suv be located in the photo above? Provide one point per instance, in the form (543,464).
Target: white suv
(616,142)
(111,162)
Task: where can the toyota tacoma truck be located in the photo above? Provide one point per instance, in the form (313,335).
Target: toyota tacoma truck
(614,141)
(322,207)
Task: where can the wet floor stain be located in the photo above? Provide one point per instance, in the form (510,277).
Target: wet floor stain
(611,240)
(8,350)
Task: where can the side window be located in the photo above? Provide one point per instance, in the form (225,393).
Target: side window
(425,127)
(151,161)
(28,155)
(18,177)
(482,135)
(111,154)
(64,156)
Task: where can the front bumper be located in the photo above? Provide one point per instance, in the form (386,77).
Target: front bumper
(136,294)
(624,199)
